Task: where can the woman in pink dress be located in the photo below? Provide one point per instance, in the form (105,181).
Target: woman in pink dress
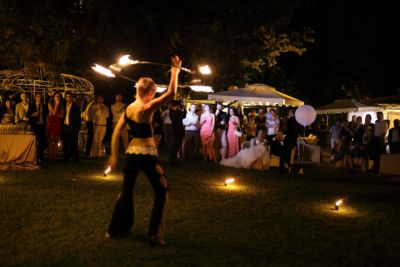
(233,140)
(53,130)
(207,121)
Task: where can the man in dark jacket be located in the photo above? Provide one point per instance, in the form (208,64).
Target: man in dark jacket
(71,127)
(37,114)
(176,115)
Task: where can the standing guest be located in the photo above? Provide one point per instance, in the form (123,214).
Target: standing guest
(190,141)
(220,127)
(142,155)
(207,121)
(261,120)
(87,116)
(322,130)
(380,131)
(353,123)
(178,131)
(100,115)
(334,135)
(21,109)
(292,132)
(7,114)
(272,124)
(71,127)
(157,126)
(37,113)
(53,128)
(378,146)
(167,129)
(394,138)
(359,132)
(117,110)
(233,140)
(251,127)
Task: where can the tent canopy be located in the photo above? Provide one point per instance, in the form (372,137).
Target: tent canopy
(256,94)
(346,105)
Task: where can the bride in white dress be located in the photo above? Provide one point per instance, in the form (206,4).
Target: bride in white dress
(254,157)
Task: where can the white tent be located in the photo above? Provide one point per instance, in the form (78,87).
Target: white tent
(347,105)
(256,94)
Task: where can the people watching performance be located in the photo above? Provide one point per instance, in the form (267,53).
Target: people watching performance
(117,110)
(53,127)
(190,142)
(100,116)
(70,130)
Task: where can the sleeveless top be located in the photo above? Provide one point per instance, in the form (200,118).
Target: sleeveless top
(139,130)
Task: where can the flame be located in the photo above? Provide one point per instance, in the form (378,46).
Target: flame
(125,61)
(339,202)
(103,70)
(107,170)
(201,88)
(205,70)
(229,181)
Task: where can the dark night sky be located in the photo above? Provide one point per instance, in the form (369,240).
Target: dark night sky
(357,46)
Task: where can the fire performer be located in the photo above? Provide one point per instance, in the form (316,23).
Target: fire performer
(142,155)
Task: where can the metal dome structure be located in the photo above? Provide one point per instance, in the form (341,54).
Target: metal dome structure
(41,81)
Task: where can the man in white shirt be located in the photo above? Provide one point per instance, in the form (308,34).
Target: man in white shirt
(381,129)
(272,124)
(21,109)
(117,110)
(100,115)
(191,139)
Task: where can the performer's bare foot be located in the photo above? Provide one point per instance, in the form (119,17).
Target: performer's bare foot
(156,243)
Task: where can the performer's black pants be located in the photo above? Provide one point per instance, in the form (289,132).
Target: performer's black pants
(123,214)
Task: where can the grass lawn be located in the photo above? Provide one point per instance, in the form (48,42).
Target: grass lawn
(58,217)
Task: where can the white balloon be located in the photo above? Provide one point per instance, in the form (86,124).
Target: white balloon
(305,115)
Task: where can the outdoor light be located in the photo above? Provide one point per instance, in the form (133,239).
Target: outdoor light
(205,70)
(107,171)
(229,181)
(338,203)
(161,89)
(201,88)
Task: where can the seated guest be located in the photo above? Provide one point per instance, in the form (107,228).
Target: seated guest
(281,148)
(255,157)
(7,113)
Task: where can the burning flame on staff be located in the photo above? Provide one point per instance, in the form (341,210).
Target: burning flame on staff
(103,70)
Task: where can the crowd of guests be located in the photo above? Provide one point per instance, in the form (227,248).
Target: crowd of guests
(355,144)
(227,135)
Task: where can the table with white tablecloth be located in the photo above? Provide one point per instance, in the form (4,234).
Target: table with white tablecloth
(18,151)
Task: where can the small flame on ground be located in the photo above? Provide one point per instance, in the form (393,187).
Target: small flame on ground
(107,170)
(339,202)
(229,181)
